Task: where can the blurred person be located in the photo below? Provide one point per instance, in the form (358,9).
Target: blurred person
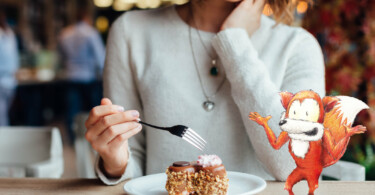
(82,54)
(167,66)
(9,63)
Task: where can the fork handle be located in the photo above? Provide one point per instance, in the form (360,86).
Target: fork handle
(153,126)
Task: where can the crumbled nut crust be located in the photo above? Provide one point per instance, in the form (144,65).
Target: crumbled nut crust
(200,183)
(179,183)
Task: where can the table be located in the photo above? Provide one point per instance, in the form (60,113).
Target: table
(95,186)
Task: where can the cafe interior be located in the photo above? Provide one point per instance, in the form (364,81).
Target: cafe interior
(44,107)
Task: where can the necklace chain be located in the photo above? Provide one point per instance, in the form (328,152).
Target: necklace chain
(197,70)
(199,35)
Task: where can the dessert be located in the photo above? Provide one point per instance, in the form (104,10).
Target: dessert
(207,175)
(180,178)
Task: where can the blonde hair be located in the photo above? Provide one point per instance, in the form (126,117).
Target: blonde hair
(283,10)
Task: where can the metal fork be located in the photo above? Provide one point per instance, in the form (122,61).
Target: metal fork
(184,132)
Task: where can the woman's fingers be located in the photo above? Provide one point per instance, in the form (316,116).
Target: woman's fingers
(100,111)
(112,132)
(247,3)
(258,4)
(120,139)
(246,15)
(243,6)
(105,101)
(252,6)
(110,120)
(115,136)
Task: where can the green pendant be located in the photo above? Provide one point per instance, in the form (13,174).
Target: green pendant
(214,71)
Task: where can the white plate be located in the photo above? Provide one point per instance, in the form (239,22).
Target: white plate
(239,183)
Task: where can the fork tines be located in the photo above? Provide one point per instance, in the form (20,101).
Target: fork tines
(194,139)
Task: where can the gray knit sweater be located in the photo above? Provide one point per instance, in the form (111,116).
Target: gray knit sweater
(149,67)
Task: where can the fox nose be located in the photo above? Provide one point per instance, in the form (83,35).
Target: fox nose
(282,122)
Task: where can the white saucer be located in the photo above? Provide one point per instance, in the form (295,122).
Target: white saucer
(239,184)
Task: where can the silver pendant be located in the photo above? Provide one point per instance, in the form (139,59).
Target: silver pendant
(208,105)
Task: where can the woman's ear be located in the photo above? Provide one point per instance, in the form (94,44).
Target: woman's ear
(285,98)
(329,102)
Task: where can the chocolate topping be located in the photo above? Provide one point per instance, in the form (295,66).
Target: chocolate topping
(215,170)
(181,164)
(189,169)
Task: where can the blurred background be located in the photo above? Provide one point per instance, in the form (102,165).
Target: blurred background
(52,55)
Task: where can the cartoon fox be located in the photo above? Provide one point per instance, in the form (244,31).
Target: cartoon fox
(318,131)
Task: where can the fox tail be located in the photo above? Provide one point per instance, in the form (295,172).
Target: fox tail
(343,113)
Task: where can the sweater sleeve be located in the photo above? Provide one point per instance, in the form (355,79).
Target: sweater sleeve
(254,91)
(121,87)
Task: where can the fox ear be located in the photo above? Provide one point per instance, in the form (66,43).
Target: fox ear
(285,98)
(329,102)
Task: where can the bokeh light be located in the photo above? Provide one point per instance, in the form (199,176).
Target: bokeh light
(102,24)
(122,5)
(302,7)
(143,4)
(103,3)
(179,2)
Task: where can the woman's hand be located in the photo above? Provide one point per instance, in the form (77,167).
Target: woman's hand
(246,15)
(108,129)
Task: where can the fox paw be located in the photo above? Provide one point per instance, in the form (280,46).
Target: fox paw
(254,116)
(355,130)
(289,190)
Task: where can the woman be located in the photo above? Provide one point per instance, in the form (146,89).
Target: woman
(160,67)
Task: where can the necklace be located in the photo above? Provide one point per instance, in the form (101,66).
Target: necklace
(214,71)
(208,105)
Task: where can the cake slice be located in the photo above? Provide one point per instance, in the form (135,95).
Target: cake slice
(207,175)
(211,176)
(180,178)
